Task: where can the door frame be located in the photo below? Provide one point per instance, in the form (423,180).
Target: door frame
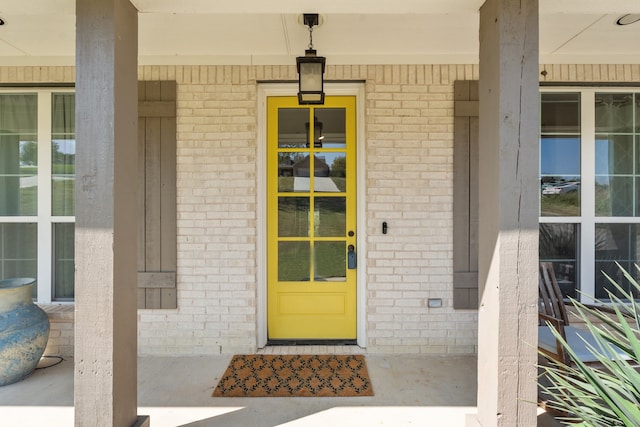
(291,89)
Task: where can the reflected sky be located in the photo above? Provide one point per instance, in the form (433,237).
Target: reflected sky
(560,155)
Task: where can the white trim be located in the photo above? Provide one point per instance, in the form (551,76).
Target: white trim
(45,227)
(587,193)
(290,89)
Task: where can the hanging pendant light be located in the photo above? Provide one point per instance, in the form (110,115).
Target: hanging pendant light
(310,68)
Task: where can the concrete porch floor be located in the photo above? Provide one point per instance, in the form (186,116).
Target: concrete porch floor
(413,390)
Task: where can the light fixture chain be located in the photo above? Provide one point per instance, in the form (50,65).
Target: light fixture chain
(310,36)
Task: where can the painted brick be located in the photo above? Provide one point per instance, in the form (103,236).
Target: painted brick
(408,169)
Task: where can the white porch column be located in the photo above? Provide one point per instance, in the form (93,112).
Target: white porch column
(106,213)
(508,213)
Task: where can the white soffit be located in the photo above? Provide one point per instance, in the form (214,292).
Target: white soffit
(42,32)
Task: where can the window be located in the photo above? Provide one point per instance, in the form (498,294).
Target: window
(590,186)
(37,180)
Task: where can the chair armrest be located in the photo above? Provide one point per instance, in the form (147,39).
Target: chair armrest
(558,325)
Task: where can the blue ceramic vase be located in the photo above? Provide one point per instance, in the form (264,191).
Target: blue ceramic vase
(24,330)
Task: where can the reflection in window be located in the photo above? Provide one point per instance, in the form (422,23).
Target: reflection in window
(614,112)
(333,127)
(63,153)
(560,113)
(292,131)
(294,261)
(63,261)
(294,170)
(617,155)
(560,141)
(560,175)
(330,216)
(615,244)
(18,251)
(559,245)
(293,216)
(330,261)
(18,155)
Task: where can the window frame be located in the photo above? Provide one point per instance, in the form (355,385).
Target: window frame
(44,219)
(587,219)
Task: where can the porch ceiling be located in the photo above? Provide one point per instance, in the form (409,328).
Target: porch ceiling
(42,32)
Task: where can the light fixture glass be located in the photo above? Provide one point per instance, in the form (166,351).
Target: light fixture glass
(310,69)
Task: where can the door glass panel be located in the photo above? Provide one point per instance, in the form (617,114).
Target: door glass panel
(330,172)
(294,261)
(330,127)
(291,167)
(329,216)
(330,261)
(292,132)
(293,216)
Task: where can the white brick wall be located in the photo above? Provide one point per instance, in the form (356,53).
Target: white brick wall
(409,160)
(409,118)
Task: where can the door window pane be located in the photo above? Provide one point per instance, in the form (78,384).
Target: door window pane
(330,261)
(63,153)
(293,216)
(330,127)
(18,155)
(294,261)
(330,216)
(559,245)
(63,261)
(293,171)
(293,127)
(330,172)
(615,243)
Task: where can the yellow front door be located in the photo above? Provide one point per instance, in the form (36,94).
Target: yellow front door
(311,219)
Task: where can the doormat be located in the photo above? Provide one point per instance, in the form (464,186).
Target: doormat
(269,375)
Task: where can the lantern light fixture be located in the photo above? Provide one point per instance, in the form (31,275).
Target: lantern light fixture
(310,68)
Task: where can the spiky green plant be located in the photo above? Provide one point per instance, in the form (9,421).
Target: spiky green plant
(608,393)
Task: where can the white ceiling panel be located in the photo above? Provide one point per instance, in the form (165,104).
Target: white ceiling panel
(308,6)
(605,37)
(352,32)
(40,35)
(209,34)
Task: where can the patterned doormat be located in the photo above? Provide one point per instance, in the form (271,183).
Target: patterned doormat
(268,375)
